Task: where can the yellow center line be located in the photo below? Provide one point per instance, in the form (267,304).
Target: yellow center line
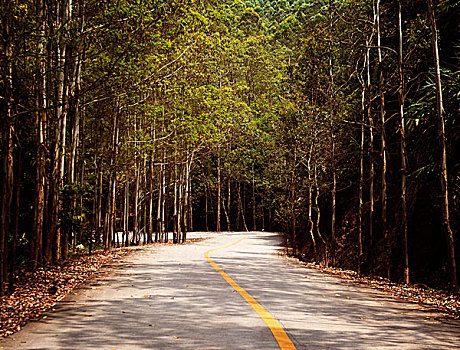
(278,332)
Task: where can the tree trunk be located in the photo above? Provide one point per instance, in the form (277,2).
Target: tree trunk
(186,193)
(63,16)
(163,200)
(176,201)
(218,190)
(17,208)
(334,194)
(361,174)
(136,205)
(238,214)
(318,215)
(443,157)
(403,145)
(293,216)
(241,209)
(332,134)
(383,144)
(229,197)
(158,231)
(183,218)
(206,205)
(150,215)
(187,204)
(110,207)
(63,101)
(310,204)
(39,200)
(190,200)
(126,211)
(253,201)
(112,213)
(371,161)
(7,145)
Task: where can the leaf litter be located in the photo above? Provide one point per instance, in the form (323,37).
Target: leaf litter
(434,299)
(38,291)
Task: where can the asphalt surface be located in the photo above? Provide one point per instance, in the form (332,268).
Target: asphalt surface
(170,297)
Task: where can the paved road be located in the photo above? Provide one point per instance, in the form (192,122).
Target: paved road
(172,298)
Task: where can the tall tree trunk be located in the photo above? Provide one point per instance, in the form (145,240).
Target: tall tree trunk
(136,205)
(152,177)
(6,130)
(74,98)
(110,205)
(254,227)
(176,201)
(150,215)
(403,145)
(229,197)
(112,212)
(361,174)
(334,195)
(383,143)
(180,202)
(310,204)
(241,208)
(238,214)
(443,157)
(17,208)
(82,171)
(39,200)
(63,99)
(126,210)
(158,231)
(63,17)
(318,215)
(332,134)
(100,180)
(185,201)
(218,190)
(293,206)
(163,200)
(371,161)
(206,204)
(113,181)
(186,197)
(93,227)
(190,200)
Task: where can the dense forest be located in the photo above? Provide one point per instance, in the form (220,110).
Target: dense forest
(334,121)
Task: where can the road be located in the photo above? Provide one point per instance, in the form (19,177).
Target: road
(171,297)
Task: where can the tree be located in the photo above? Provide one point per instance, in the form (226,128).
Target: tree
(443,157)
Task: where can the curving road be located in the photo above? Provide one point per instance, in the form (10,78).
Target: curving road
(173,298)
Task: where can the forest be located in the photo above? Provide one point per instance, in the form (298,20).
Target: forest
(125,122)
